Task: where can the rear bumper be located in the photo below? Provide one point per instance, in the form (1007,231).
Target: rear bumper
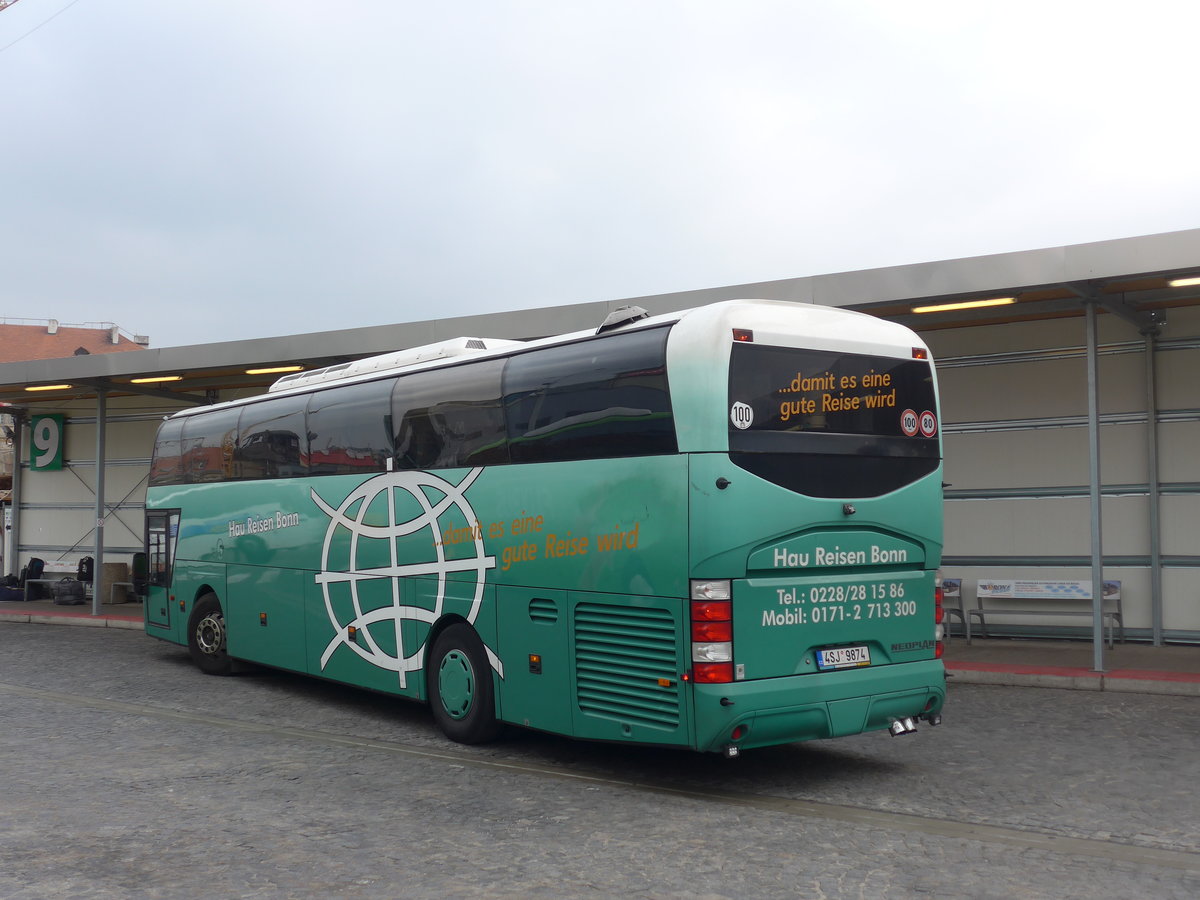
(821,705)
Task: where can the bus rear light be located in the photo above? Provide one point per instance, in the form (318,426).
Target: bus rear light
(712,673)
(711,590)
(712,631)
(743,336)
(711,615)
(716,651)
(712,610)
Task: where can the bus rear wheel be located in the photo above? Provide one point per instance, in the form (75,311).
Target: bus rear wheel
(206,637)
(459,686)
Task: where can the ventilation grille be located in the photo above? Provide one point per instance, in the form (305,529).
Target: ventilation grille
(543,611)
(621,652)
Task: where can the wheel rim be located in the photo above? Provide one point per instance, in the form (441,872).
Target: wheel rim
(456,684)
(210,634)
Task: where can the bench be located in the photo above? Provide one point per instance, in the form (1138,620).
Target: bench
(994,596)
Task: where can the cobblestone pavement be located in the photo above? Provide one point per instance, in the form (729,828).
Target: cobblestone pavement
(127,773)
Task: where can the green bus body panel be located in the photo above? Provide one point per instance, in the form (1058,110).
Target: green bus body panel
(777,633)
(533,627)
(575,577)
(594,665)
(264,615)
(811,707)
(608,525)
(309,581)
(747,520)
(807,576)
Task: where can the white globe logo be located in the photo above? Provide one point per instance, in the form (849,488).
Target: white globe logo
(353,593)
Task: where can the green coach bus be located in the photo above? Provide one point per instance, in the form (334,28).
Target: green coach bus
(717,529)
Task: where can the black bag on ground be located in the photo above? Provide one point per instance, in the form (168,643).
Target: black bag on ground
(33,569)
(69,592)
(86,569)
(8,593)
(138,575)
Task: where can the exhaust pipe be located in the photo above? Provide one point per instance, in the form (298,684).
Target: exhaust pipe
(902,726)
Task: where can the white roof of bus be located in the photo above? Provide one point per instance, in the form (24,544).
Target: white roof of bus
(808,325)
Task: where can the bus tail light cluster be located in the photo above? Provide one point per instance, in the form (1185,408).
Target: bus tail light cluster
(712,631)
(939,616)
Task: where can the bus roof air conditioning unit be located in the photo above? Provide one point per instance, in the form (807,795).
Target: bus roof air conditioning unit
(400,359)
(622,316)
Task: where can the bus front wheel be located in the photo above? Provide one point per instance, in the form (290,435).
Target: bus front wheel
(206,637)
(459,682)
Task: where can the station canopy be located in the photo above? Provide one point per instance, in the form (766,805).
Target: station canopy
(1138,279)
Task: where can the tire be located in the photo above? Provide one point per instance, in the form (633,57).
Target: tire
(207,638)
(459,685)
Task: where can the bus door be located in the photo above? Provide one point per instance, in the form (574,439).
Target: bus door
(162,536)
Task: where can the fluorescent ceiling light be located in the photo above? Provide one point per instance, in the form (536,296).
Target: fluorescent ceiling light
(274,370)
(1184,282)
(156,379)
(966,304)
(48,387)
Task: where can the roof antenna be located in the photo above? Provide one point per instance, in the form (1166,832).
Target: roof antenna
(621,316)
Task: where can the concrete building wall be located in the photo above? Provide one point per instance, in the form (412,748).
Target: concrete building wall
(1014,410)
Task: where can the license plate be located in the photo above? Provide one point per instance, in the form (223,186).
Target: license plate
(843,657)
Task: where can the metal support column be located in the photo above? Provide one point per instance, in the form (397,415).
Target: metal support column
(1156,593)
(14,536)
(1093,389)
(101,465)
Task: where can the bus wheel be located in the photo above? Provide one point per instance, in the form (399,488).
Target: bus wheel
(459,682)
(206,637)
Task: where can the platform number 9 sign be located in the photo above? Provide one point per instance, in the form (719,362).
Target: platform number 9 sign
(46,434)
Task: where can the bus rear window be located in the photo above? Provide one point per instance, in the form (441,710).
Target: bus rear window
(865,425)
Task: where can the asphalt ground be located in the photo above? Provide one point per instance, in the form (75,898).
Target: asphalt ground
(1128,667)
(127,773)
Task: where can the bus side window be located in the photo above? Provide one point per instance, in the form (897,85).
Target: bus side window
(450,417)
(348,428)
(272,442)
(166,466)
(595,399)
(208,445)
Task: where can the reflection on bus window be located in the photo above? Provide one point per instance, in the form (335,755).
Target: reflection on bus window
(208,444)
(167,464)
(272,443)
(450,417)
(348,429)
(599,398)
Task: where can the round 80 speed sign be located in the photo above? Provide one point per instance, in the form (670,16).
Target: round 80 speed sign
(928,424)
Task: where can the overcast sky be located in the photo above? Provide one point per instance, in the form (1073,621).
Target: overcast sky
(225,170)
